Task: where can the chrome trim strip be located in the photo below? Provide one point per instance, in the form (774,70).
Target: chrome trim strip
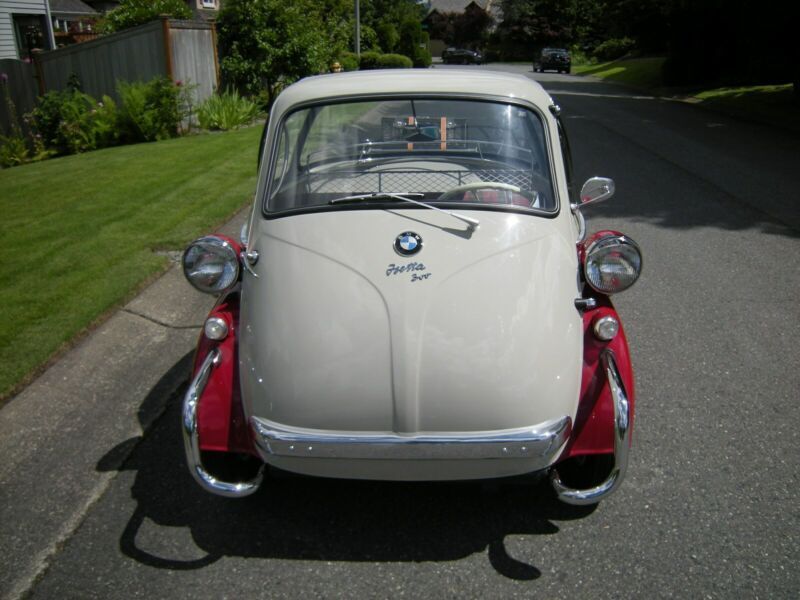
(540,442)
(191,437)
(622,440)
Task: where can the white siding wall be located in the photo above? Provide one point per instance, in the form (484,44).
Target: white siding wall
(8,44)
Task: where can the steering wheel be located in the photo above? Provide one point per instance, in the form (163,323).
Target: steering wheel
(478,185)
(475,187)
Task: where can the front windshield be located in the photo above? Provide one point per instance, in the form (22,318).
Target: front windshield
(452,151)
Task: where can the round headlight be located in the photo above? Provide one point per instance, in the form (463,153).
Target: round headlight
(612,264)
(211,264)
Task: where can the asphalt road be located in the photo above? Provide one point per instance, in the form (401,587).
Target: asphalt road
(710,505)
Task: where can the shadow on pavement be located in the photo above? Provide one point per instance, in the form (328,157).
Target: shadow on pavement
(304,518)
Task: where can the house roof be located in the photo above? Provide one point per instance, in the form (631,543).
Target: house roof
(492,7)
(454,6)
(71,7)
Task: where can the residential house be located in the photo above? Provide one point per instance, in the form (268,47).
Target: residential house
(73,21)
(24,27)
(442,9)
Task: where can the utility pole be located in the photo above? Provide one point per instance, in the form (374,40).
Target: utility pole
(358,29)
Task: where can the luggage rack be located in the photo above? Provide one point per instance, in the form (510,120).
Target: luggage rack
(411,180)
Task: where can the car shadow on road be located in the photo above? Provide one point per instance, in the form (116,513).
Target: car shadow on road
(304,518)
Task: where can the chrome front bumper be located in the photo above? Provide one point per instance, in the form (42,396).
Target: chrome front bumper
(538,443)
(191,438)
(622,441)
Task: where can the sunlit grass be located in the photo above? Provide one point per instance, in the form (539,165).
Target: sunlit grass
(79,233)
(640,72)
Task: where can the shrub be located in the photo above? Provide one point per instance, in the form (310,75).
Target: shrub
(349,61)
(153,110)
(369,60)
(13,151)
(613,49)
(131,13)
(422,58)
(69,122)
(394,61)
(226,111)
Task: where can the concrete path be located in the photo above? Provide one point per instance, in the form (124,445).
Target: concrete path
(56,434)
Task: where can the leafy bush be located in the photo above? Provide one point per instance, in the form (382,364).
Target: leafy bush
(13,151)
(394,61)
(69,122)
(349,61)
(422,58)
(131,13)
(151,111)
(369,60)
(613,49)
(226,111)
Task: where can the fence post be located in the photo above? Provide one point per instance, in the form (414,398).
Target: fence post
(37,64)
(167,45)
(216,55)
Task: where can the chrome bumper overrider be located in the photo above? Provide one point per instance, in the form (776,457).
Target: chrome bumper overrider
(622,438)
(540,443)
(191,441)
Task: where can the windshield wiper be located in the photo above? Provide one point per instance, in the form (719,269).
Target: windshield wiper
(472,224)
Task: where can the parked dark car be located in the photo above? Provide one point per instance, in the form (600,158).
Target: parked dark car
(461,56)
(553,59)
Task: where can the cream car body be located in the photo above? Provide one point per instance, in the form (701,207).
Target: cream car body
(423,333)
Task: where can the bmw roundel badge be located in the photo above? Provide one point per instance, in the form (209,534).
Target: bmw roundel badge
(408,243)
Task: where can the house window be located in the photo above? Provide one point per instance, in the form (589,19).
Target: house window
(209,3)
(31,34)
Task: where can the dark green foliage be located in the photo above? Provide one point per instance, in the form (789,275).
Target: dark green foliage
(131,13)
(265,45)
(226,111)
(394,61)
(70,122)
(349,61)
(369,60)
(613,49)
(388,36)
(151,111)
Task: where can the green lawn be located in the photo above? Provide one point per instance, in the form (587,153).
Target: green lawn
(79,233)
(771,104)
(774,104)
(640,72)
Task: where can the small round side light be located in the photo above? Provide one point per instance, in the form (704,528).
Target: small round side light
(216,329)
(606,328)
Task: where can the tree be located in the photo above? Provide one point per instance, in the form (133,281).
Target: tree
(265,45)
(528,25)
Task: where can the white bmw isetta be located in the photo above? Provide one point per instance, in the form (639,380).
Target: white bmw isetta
(414,296)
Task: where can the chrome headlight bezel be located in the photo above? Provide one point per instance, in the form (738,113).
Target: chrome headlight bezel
(211,264)
(612,263)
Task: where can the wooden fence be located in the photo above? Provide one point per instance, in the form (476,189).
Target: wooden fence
(184,51)
(19,87)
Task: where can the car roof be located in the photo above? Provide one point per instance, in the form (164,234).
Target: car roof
(466,82)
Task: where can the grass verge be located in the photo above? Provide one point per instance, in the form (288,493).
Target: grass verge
(79,233)
(770,104)
(639,72)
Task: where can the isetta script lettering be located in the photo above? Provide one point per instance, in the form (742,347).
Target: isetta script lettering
(413,268)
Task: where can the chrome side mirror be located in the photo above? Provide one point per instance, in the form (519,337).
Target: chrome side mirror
(596,189)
